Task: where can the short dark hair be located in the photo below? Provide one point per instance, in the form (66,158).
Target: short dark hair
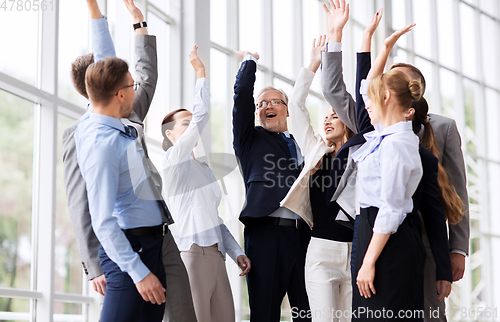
(415,73)
(104,78)
(78,69)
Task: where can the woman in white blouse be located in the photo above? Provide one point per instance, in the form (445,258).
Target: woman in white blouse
(193,196)
(390,255)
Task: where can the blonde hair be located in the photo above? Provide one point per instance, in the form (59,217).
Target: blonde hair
(399,84)
(448,195)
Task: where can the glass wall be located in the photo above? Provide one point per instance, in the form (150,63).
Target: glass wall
(41,276)
(17,119)
(456,44)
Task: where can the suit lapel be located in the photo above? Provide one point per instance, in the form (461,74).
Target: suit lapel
(343,155)
(281,143)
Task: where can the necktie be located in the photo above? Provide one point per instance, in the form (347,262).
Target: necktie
(291,147)
(131,131)
(153,177)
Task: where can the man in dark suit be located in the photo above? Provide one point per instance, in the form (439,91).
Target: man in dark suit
(276,239)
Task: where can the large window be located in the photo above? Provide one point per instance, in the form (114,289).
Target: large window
(17,119)
(456,44)
(41,276)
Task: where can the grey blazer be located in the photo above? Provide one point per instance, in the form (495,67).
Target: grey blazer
(451,157)
(335,92)
(146,72)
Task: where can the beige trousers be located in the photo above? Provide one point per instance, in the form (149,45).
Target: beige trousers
(212,296)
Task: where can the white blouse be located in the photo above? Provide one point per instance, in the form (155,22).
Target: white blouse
(389,171)
(191,189)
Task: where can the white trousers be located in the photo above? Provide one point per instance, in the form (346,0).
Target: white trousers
(328,280)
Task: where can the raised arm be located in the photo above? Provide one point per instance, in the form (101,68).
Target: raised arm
(379,65)
(366,43)
(363,65)
(101,38)
(137,16)
(146,66)
(244,107)
(332,81)
(299,116)
(181,150)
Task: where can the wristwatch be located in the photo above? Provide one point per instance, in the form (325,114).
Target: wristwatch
(140,25)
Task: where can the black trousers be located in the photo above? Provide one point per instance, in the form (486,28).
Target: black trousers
(398,273)
(278,256)
(122,302)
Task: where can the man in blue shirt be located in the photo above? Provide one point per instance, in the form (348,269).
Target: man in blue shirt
(179,305)
(129,228)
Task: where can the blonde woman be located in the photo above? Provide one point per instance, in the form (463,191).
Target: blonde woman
(390,255)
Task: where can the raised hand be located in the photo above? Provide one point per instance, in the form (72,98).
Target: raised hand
(243,53)
(391,40)
(373,24)
(197,64)
(95,13)
(337,18)
(136,13)
(378,66)
(366,43)
(317,48)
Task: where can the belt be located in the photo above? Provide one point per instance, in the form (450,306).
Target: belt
(296,223)
(147,231)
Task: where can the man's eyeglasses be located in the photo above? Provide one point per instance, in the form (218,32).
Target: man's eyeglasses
(264,104)
(135,85)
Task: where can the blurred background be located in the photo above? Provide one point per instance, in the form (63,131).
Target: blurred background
(456,44)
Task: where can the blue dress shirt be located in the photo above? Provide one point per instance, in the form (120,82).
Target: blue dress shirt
(101,39)
(117,187)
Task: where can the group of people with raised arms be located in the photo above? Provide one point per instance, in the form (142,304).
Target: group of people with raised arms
(357,230)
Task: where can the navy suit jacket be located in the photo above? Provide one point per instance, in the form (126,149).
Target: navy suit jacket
(263,156)
(426,199)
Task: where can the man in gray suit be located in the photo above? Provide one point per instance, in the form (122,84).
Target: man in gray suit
(179,305)
(451,157)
